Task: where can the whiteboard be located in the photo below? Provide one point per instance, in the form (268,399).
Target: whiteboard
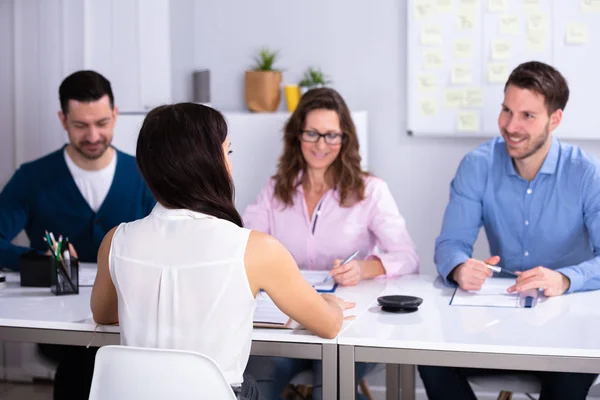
(256,141)
(460,53)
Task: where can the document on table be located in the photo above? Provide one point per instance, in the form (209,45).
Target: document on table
(268,315)
(492,294)
(316,279)
(87,273)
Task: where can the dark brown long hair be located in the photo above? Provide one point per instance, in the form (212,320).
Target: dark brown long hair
(180,155)
(346,172)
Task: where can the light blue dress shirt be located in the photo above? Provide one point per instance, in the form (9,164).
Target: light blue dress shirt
(552,221)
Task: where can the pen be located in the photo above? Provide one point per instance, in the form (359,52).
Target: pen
(495,268)
(346,261)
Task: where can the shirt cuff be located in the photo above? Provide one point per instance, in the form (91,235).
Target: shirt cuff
(448,266)
(575,279)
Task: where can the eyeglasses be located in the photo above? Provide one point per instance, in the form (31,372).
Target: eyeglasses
(330,138)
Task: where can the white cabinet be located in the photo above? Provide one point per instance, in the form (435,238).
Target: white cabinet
(128,41)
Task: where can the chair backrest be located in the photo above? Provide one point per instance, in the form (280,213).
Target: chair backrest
(123,372)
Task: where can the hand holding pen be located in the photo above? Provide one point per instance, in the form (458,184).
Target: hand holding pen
(347,272)
(472,274)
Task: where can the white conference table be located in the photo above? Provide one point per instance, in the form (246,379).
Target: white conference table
(559,334)
(35,315)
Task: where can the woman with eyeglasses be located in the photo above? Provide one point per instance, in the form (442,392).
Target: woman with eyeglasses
(323,207)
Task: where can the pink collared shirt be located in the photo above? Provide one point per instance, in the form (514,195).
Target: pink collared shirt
(374,227)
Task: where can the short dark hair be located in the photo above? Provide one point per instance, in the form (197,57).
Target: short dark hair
(180,155)
(86,86)
(542,79)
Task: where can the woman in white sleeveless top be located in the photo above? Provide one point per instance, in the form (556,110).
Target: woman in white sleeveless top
(186,276)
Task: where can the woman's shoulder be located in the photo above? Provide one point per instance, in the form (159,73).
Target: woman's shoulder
(373,184)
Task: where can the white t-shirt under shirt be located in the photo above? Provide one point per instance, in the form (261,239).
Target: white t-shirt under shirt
(93,185)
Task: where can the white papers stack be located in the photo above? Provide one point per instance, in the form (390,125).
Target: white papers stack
(492,294)
(87,273)
(316,278)
(267,313)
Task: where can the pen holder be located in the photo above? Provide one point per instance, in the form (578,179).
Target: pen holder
(64,276)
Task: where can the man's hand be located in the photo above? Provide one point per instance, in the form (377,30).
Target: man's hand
(471,274)
(554,283)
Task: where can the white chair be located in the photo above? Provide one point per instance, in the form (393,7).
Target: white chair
(122,372)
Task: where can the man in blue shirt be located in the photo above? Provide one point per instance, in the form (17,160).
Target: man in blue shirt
(80,191)
(539,202)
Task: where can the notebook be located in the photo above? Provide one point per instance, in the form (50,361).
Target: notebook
(316,278)
(267,315)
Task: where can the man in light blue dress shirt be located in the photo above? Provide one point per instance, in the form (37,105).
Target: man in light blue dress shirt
(538,200)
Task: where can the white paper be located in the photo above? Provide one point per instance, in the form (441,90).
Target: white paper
(87,273)
(316,278)
(267,312)
(492,294)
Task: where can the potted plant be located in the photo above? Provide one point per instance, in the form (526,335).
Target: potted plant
(262,86)
(313,77)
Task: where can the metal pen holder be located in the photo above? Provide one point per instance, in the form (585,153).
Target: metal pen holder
(64,276)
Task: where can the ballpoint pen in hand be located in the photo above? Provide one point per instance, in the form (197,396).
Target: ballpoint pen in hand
(346,261)
(497,269)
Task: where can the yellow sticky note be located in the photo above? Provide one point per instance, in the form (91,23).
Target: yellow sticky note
(444,6)
(429,107)
(509,25)
(468,121)
(500,49)
(497,72)
(463,48)
(423,9)
(590,5)
(536,40)
(468,6)
(537,22)
(577,34)
(431,35)
(427,82)
(461,74)
(466,21)
(453,98)
(530,5)
(498,5)
(473,97)
(433,58)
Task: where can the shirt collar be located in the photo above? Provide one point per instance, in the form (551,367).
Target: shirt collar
(549,165)
(179,212)
(551,160)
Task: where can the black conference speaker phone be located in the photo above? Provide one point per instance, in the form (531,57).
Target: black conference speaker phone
(399,304)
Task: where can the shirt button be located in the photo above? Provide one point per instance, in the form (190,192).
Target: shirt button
(526,253)
(529,191)
(526,222)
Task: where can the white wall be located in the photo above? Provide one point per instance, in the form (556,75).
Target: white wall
(361,44)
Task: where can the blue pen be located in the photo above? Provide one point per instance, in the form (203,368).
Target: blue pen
(346,261)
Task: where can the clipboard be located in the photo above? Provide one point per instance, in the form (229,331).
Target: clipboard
(315,278)
(268,315)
